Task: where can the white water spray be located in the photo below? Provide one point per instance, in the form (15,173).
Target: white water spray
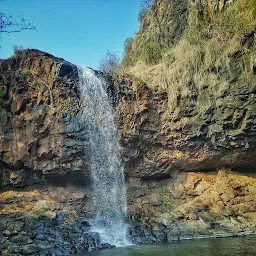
(108,189)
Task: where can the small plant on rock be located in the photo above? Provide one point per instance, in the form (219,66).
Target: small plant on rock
(151,53)
(42,213)
(167,204)
(22,74)
(2,94)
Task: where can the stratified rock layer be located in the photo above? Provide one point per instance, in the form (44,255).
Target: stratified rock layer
(39,133)
(193,137)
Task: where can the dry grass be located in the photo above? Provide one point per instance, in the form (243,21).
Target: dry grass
(28,202)
(205,62)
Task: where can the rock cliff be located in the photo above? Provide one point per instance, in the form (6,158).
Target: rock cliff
(195,137)
(193,116)
(43,157)
(187,134)
(39,133)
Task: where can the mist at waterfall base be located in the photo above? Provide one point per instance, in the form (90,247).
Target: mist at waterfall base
(107,178)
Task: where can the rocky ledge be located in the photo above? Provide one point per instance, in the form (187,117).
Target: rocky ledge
(47,236)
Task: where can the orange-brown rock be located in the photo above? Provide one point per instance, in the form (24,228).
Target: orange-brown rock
(195,204)
(154,147)
(38,132)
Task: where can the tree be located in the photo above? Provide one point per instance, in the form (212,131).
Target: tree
(110,62)
(128,45)
(8,24)
(146,5)
(142,14)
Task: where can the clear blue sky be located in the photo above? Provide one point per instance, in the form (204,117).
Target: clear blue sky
(80,31)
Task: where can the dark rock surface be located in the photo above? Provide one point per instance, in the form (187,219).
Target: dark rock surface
(34,236)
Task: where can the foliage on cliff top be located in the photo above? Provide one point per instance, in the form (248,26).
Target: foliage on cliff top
(205,46)
(110,63)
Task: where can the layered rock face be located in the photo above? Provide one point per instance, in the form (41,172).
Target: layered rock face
(174,186)
(39,134)
(196,136)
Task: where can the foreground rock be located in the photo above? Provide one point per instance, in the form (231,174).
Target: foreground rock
(195,205)
(43,236)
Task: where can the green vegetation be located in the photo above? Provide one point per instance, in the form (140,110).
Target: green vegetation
(167,204)
(126,91)
(2,94)
(42,213)
(40,216)
(110,63)
(138,80)
(151,53)
(22,74)
(216,50)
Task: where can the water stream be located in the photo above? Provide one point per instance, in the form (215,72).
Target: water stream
(107,178)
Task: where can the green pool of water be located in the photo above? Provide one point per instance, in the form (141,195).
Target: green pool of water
(236,246)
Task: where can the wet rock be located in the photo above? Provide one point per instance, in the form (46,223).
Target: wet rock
(13,250)
(20,239)
(29,249)
(141,235)
(43,245)
(105,246)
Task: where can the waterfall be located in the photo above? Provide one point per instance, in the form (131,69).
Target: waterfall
(107,178)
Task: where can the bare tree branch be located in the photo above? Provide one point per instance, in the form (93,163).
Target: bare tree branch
(8,24)
(147,4)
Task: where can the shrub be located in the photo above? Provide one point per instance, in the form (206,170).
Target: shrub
(22,74)
(167,204)
(128,45)
(40,216)
(142,14)
(151,54)
(17,48)
(110,62)
(2,94)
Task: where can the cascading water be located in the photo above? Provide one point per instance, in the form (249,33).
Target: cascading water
(108,189)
